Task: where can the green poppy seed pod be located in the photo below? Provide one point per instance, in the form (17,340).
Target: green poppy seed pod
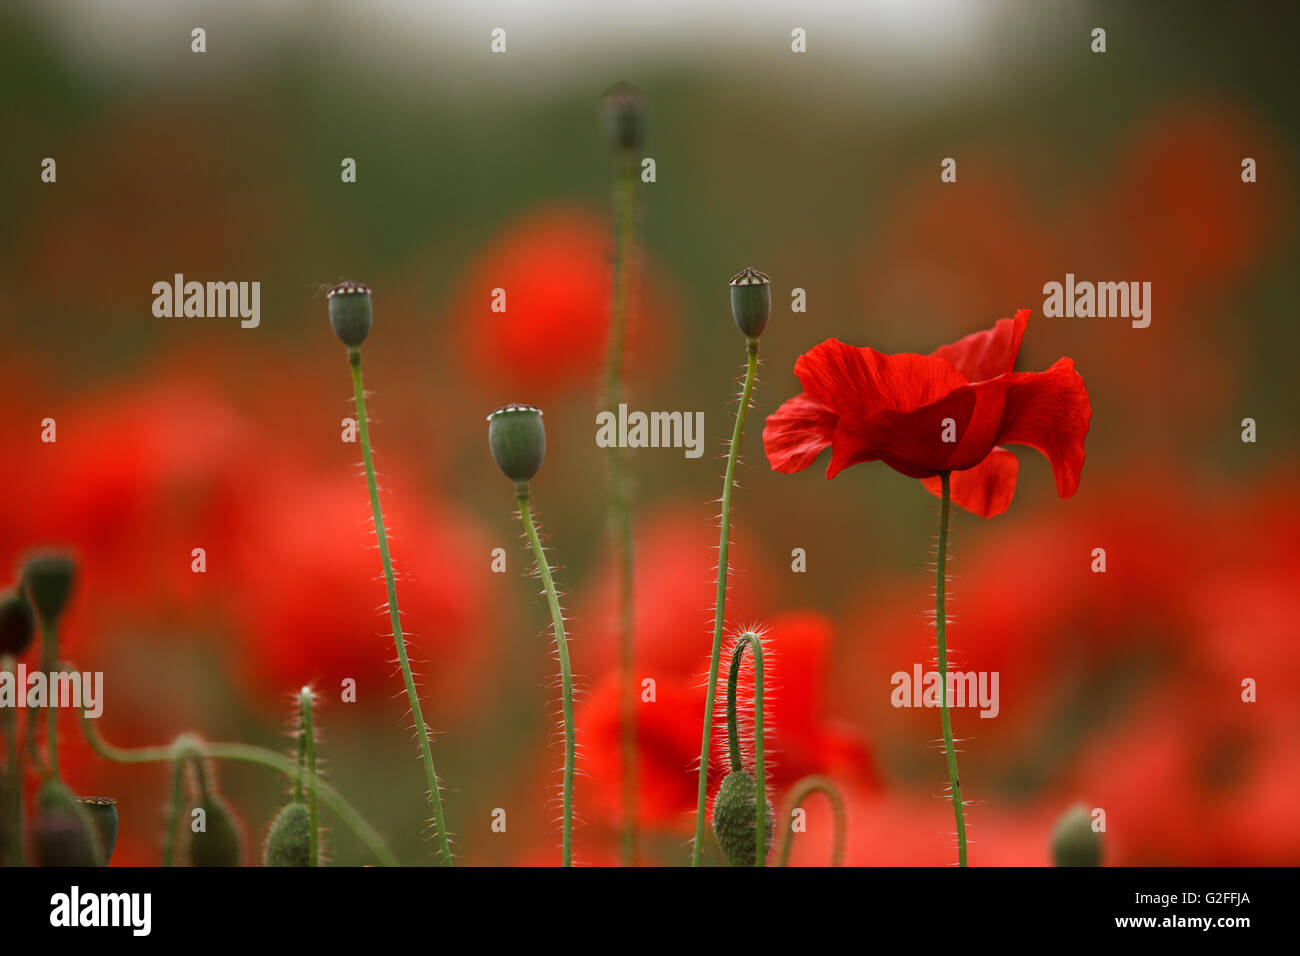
(349,304)
(64,833)
(1074,842)
(751,301)
(517,438)
(48,578)
(623,114)
(289,842)
(17,624)
(733,819)
(103,815)
(220,842)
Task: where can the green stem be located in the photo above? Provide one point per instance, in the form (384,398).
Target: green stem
(621,500)
(13,801)
(724,541)
(801,792)
(941,625)
(733,736)
(399,639)
(173,806)
(50,657)
(566,677)
(309,743)
(244,753)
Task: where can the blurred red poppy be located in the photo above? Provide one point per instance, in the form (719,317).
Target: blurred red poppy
(926,414)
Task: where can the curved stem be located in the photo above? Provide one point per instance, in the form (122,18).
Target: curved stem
(621,502)
(724,541)
(399,639)
(309,743)
(941,624)
(801,792)
(733,736)
(244,753)
(566,676)
(173,807)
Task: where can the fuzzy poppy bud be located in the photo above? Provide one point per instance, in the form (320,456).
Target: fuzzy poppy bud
(103,815)
(219,843)
(623,114)
(1074,842)
(64,833)
(517,438)
(733,819)
(289,842)
(751,301)
(349,305)
(17,625)
(48,578)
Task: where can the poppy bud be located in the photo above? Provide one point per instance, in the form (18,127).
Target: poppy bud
(48,579)
(64,834)
(733,819)
(219,843)
(751,301)
(103,815)
(623,114)
(1074,842)
(349,305)
(289,842)
(517,438)
(16,624)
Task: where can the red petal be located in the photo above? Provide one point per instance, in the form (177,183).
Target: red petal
(796,433)
(986,489)
(1049,411)
(860,381)
(988,354)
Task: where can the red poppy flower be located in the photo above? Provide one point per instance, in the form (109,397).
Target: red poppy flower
(926,414)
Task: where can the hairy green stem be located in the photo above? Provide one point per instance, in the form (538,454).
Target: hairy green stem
(173,806)
(244,753)
(750,639)
(801,792)
(309,744)
(621,500)
(941,624)
(724,542)
(50,658)
(566,675)
(13,800)
(399,639)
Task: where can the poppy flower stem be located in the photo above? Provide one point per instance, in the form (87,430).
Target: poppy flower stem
(50,658)
(750,639)
(801,792)
(13,827)
(941,625)
(621,497)
(309,758)
(190,747)
(719,614)
(174,808)
(566,675)
(399,638)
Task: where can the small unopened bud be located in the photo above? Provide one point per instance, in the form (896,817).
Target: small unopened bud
(1074,841)
(220,842)
(64,833)
(103,815)
(623,114)
(17,625)
(349,305)
(751,301)
(733,819)
(289,842)
(48,577)
(517,438)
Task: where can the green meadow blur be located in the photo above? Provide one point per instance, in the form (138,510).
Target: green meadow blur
(816,168)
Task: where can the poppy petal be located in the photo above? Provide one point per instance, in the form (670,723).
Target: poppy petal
(860,381)
(1049,411)
(990,353)
(985,490)
(796,433)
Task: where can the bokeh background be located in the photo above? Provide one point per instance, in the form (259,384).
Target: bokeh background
(477,170)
